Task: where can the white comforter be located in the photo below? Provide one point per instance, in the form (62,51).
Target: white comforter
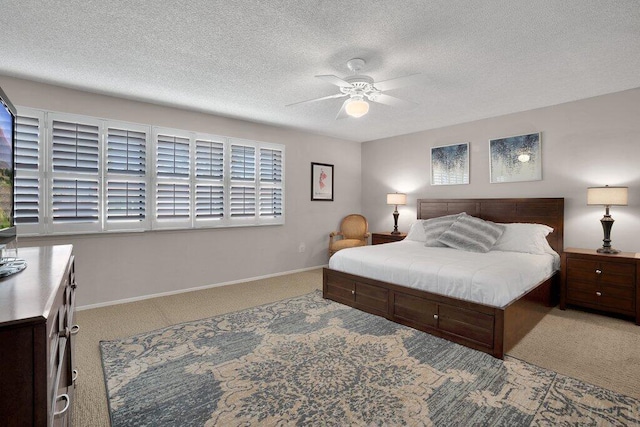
(494,278)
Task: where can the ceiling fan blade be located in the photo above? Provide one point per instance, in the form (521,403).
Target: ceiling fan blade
(342,114)
(337,95)
(398,82)
(393,101)
(335,80)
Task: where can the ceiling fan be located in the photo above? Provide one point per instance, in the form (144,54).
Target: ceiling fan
(359,88)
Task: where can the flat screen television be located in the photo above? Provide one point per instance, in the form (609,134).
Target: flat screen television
(8,265)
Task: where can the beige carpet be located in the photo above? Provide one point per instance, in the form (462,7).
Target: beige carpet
(595,349)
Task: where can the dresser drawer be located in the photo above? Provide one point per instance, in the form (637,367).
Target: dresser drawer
(615,273)
(605,297)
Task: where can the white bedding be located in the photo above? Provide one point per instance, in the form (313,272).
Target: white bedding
(494,278)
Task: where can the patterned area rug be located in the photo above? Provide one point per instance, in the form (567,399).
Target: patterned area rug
(310,361)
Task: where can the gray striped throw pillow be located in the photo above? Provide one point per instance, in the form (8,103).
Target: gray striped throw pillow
(434,227)
(472,234)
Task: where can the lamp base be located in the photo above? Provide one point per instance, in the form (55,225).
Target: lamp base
(604,250)
(395,221)
(607,223)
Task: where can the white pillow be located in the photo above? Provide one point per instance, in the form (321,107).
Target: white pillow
(416,232)
(523,237)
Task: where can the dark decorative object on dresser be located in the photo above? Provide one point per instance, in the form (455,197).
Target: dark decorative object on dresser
(37,336)
(386,237)
(603,282)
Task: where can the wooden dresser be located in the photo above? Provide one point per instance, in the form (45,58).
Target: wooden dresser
(37,334)
(603,282)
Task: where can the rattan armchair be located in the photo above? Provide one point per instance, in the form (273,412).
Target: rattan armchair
(354,231)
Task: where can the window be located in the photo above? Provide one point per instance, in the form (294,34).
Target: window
(78,174)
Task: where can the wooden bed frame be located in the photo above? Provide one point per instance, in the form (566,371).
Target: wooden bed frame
(482,327)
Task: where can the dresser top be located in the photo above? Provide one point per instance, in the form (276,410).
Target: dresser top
(29,294)
(581,251)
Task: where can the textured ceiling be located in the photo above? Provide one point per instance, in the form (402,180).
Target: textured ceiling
(248,59)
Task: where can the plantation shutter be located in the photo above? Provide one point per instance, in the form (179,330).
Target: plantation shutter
(80,174)
(172,187)
(270,202)
(172,157)
(126,177)
(28,181)
(172,201)
(126,200)
(75,184)
(242,193)
(209,188)
(209,201)
(270,165)
(75,147)
(243,163)
(270,182)
(243,201)
(75,200)
(126,152)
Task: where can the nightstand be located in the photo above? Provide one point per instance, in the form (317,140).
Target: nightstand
(386,237)
(604,282)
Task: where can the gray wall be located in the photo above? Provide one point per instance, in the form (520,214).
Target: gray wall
(112,267)
(592,142)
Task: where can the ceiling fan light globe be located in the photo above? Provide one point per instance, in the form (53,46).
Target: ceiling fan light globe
(357,108)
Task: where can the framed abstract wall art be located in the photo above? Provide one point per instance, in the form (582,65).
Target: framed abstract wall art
(450,164)
(321,182)
(515,158)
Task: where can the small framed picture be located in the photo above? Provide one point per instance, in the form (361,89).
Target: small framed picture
(321,182)
(450,164)
(515,158)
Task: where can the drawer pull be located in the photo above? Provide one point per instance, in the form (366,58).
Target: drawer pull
(66,404)
(353,292)
(435,316)
(75,329)
(74,376)
(598,293)
(598,271)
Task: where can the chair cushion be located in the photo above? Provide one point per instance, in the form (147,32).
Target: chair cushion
(346,243)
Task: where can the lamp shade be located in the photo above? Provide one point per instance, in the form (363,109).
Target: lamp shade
(357,107)
(607,196)
(396,199)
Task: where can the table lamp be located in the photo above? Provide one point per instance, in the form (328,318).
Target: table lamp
(607,196)
(396,199)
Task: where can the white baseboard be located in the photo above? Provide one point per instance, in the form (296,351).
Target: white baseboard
(180,291)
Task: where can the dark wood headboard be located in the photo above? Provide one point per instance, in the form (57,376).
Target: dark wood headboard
(549,211)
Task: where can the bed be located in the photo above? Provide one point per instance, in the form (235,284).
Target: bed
(490,326)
